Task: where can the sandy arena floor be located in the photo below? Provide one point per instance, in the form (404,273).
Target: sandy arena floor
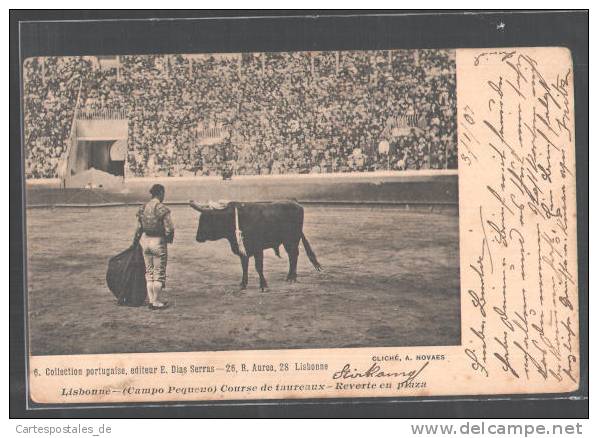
(391,278)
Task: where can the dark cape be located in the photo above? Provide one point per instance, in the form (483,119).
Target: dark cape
(126,276)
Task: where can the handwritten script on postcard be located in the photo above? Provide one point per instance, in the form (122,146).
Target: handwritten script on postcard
(518,214)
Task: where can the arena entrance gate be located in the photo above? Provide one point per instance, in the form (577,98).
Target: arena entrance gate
(98,149)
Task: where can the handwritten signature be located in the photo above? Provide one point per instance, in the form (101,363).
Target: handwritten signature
(376,371)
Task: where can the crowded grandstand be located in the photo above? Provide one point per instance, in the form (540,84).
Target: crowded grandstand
(249,114)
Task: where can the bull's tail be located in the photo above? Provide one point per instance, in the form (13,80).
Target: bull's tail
(311,255)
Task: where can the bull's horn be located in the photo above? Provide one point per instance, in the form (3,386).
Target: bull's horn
(197,206)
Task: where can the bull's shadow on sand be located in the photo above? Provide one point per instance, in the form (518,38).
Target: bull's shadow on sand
(390,278)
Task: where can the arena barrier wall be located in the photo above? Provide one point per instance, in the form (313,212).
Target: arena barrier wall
(429,187)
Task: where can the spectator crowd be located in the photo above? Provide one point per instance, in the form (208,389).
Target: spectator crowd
(296,112)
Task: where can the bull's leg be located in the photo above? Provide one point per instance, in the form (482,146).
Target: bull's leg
(245,266)
(259,267)
(293,252)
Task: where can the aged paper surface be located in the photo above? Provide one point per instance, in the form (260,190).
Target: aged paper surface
(518,274)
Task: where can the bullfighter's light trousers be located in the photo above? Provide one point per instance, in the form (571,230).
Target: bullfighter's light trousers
(155,254)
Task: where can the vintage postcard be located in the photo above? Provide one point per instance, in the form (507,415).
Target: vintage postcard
(299,225)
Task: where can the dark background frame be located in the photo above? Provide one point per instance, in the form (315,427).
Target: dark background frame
(46,33)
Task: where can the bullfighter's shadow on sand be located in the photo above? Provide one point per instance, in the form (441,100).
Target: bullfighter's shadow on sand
(252,227)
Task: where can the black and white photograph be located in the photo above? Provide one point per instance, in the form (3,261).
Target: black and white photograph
(241,201)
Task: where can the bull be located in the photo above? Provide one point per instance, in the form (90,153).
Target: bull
(252,227)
